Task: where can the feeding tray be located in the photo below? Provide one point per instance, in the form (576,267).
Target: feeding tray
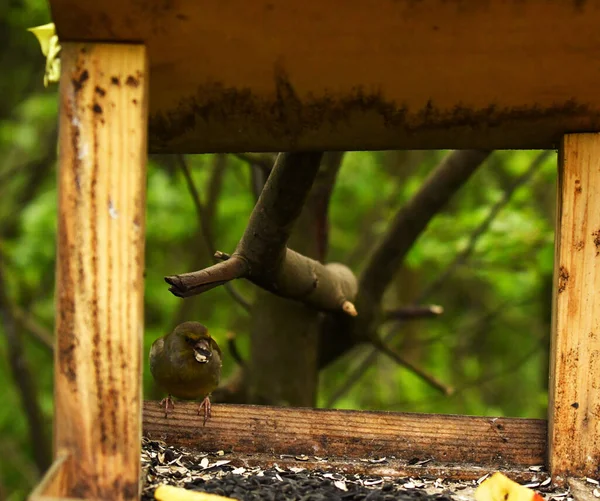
(273,75)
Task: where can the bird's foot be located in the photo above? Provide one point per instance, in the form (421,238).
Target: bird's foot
(205,404)
(168,404)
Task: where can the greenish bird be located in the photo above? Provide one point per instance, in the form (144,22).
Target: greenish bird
(187,364)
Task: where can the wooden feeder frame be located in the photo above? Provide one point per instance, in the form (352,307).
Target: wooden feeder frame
(292,75)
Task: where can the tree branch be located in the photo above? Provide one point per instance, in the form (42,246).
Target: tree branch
(262,255)
(31,325)
(432,381)
(460,258)
(412,312)
(263,160)
(408,224)
(25,382)
(233,350)
(205,223)
(258,178)
(441,185)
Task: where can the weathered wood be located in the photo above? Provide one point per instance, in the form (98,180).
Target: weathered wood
(581,490)
(388,467)
(506,442)
(287,75)
(574,399)
(100,262)
(53,483)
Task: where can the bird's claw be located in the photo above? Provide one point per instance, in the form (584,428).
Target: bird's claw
(168,404)
(205,404)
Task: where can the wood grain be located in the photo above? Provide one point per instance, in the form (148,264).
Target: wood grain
(100,264)
(390,467)
(288,75)
(54,481)
(506,442)
(574,407)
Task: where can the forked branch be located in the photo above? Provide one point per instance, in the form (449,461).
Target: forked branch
(262,255)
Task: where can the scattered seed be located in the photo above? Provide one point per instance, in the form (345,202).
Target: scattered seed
(340,484)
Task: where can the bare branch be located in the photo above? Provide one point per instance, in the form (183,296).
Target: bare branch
(413,312)
(258,178)
(418,371)
(234,390)
(263,160)
(233,350)
(25,382)
(197,282)
(262,255)
(408,224)
(321,196)
(31,325)
(412,219)
(205,220)
(462,256)
(459,259)
(222,256)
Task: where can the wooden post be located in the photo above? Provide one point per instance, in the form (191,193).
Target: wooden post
(100,262)
(574,399)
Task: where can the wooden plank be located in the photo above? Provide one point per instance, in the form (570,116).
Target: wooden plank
(574,399)
(100,263)
(506,442)
(53,483)
(389,468)
(272,75)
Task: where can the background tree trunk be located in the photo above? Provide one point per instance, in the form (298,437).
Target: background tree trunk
(284,339)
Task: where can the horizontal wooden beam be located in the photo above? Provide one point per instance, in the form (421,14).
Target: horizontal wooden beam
(444,439)
(273,75)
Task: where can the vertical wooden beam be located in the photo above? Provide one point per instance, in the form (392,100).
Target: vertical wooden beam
(574,399)
(99,289)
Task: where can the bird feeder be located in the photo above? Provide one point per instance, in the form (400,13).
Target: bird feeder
(182,76)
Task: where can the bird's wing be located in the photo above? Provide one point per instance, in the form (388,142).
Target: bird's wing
(157,347)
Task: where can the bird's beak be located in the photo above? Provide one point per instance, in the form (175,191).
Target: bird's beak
(202,352)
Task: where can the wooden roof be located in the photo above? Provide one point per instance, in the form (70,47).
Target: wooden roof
(272,75)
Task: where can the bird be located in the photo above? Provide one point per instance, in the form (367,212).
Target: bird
(187,364)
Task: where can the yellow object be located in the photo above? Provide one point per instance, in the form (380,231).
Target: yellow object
(50,45)
(501,488)
(172,493)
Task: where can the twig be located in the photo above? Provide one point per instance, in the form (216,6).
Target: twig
(478,381)
(357,373)
(25,382)
(258,178)
(408,224)
(234,389)
(412,312)
(415,369)
(205,228)
(262,255)
(412,219)
(21,462)
(233,350)
(263,160)
(486,223)
(32,326)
